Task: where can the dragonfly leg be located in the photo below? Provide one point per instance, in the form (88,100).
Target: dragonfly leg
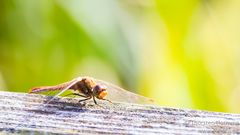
(84,99)
(97,103)
(80,95)
(94,100)
(108,100)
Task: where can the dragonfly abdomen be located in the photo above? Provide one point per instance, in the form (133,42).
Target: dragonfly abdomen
(49,88)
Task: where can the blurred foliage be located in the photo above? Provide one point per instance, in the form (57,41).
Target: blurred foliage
(180,53)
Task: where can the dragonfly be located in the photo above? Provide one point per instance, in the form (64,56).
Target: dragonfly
(91,88)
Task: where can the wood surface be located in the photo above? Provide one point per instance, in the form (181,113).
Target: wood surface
(22,113)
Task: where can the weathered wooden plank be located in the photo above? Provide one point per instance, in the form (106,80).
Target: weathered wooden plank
(22,113)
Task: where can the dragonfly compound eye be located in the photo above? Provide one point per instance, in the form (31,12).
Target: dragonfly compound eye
(100,91)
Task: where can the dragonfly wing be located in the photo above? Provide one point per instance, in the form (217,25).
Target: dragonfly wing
(118,94)
(74,81)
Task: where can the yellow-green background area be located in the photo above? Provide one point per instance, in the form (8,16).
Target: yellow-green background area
(182,53)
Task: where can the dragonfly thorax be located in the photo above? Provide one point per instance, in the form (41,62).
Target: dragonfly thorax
(84,86)
(89,88)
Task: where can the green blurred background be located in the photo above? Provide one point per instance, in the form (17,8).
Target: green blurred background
(180,53)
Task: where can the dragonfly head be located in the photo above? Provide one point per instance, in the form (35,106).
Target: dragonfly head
(100,91)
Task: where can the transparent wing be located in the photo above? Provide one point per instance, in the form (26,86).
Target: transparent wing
(57,89)
(74,81)
(118,94)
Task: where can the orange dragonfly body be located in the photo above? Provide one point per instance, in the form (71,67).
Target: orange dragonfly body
(90,88)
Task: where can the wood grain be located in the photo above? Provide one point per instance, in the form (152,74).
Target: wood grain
(22,113)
